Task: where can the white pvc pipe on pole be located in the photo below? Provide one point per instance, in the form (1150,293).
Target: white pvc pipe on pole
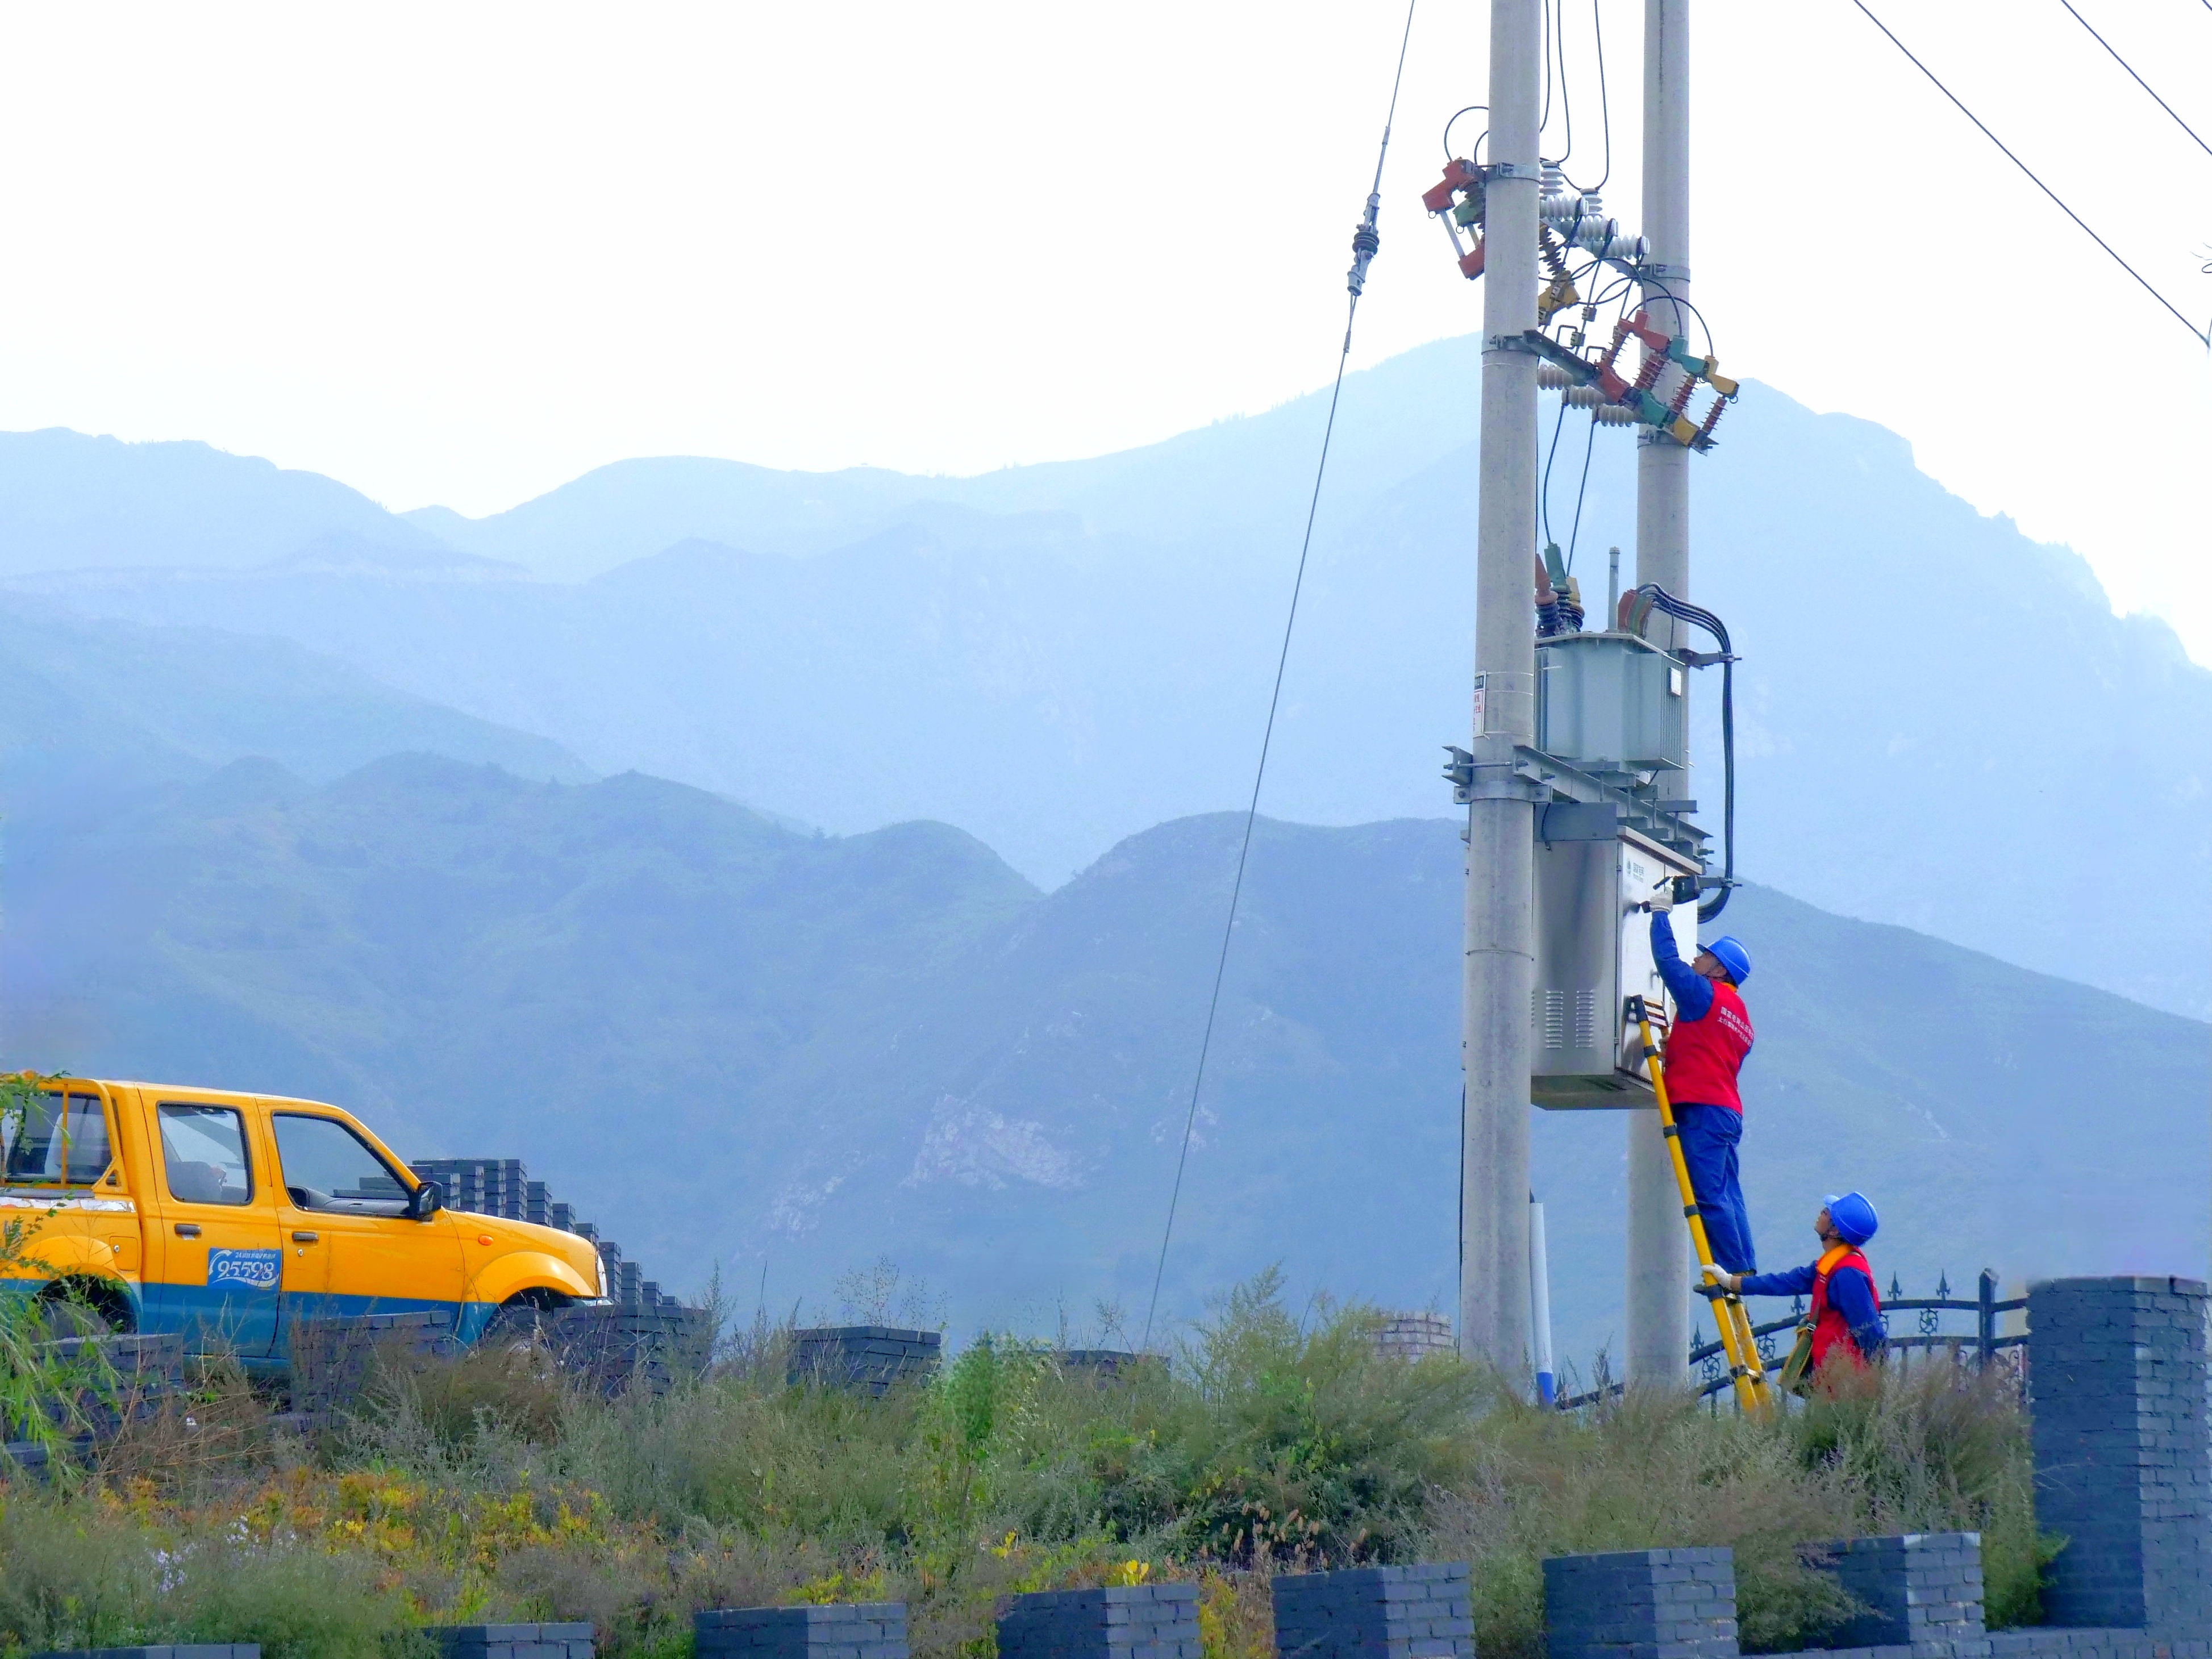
(1539,1307)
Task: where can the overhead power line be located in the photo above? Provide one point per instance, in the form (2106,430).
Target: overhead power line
(2201,337)
(2138,79)
(1364,245)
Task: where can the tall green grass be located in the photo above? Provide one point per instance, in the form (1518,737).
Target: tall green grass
(1272,1442)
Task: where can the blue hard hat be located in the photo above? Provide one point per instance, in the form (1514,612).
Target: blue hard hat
(1854,1217)
(1733,957)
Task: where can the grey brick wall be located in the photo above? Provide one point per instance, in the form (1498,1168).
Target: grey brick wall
(2122,1466)
(1123,1621)
(512,1641)
(851,1629)
(1922,1592)
(1641,1604)
(1376,1613)
(2047,1643)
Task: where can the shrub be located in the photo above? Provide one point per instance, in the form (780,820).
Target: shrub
(486,1490)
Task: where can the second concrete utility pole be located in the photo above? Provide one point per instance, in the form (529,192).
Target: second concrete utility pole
(1658,1259)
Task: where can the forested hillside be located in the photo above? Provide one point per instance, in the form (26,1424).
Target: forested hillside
(732,1041)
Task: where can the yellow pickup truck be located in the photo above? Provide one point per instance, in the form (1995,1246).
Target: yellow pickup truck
(229,1219)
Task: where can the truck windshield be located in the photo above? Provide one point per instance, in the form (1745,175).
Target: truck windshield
(328,1167)
(55,1138)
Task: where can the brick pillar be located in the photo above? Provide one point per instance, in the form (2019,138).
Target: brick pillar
(849,1630)
(1376,1613)
(1642,1604)
(1921,1589)
(2115,1371)
(1115,1621)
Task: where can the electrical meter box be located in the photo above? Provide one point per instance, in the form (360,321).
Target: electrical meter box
(1612,701)
(1593,952)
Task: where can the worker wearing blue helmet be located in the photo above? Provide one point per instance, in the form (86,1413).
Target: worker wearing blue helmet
(1845,1310)
(1705,1049)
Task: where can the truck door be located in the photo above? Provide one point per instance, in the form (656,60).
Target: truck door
(219,1267)
(350,1246)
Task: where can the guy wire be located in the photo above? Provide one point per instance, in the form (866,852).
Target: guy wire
(1267,736)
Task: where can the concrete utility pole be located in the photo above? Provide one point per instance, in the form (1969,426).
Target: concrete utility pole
(1658,1258)
(1493,1286)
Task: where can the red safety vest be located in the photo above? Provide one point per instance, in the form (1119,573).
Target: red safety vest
(1828,1326)
(1703,1054)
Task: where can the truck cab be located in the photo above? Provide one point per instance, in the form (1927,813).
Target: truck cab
(231,1219)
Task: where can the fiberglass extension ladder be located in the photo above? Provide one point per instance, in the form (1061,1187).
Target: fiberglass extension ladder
(1746,1373)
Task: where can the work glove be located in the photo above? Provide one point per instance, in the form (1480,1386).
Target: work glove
(1663,898)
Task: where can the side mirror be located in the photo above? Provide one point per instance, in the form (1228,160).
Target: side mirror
(430,1198)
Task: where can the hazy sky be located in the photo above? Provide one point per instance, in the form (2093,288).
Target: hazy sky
(461,253)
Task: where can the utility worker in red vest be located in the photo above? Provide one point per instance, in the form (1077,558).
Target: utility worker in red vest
(1845,1311)
(1704,1050)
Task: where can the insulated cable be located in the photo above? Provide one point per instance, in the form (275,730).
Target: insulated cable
(2137,79)
(1604,107)
(1485,109)
(1558,30)
(1581,491)
(2203,339)
(1364,246)
(1544,495)
(1658,598)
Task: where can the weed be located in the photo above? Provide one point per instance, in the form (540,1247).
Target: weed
(485,1489)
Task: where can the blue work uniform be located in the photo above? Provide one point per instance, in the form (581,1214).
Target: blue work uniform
(1708,1131)
(1850,1298)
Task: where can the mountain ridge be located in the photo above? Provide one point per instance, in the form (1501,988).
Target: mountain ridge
(728,1041)
(1055,658)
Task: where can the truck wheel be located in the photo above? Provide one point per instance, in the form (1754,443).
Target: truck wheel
(516,1324)
(73,1307)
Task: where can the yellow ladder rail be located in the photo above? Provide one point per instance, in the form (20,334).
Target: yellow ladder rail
(1746,1373)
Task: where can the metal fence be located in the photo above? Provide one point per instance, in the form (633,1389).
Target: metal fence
(1983,1344)
(1924,1334)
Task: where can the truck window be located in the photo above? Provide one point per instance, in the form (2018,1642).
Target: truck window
(57,1137)
(205,1148)
(328,1167)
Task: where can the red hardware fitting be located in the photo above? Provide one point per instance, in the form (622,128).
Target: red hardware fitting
(1470,262)
(1458,175)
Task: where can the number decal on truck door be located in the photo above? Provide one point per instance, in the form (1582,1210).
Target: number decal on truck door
(253,1270)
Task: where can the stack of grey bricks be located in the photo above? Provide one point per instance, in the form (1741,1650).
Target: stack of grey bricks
(1642,1604)
(1114,1622)
(616,1349)
(161,1650)
(875,1359)
(1918,1595)
(1376,1613)
(2123,1467)
(332,1360)
(855,1630)
(512,1641)
(1100,1364)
